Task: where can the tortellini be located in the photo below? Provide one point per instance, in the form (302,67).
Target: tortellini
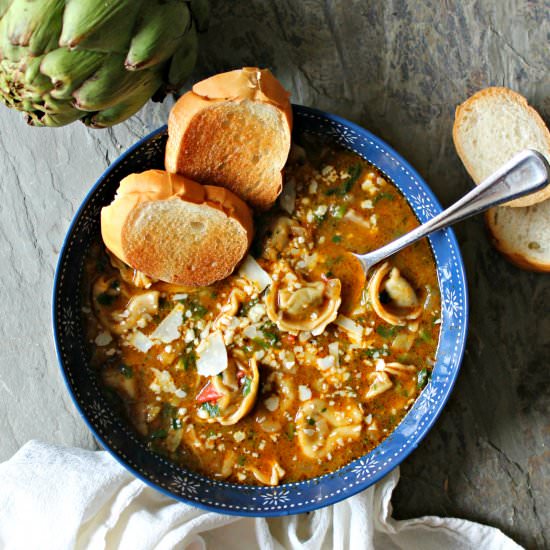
(232,393)
(272,477)
(135,313)
(380,380)
(130,275)
(321,428)
(304,306)
(392,297)
(281,231)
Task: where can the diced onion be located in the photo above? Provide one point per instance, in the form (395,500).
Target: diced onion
(304,393)
(325,362)
(212,355)
(252,270)
(352,216)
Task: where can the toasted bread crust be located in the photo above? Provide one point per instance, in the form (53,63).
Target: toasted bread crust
(496,93)
(251,162)
(521,260)
(150,227)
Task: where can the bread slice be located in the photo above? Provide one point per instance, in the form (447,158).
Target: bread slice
(491,127)
(233,130)
(522,234)
(176,230)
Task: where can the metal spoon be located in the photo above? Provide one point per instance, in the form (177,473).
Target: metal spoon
(527,172)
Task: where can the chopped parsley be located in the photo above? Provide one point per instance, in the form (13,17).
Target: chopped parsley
(158,434)
(422,378)
(353,172)
(425,336)
(338,211)
(198,311)
(211,408)
(371,352)
(319,218)
(386,332)
(247,385)
(176,424)
(169,411)
(126,371)
(260,342)
(187,361)
(291,430)
(336,238)
(311,421)
(246,307)
(382,196)
(241,460)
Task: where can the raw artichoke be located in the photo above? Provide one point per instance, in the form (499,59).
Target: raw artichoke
(94,60)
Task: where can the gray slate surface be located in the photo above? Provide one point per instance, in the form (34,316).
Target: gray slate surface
(399,68)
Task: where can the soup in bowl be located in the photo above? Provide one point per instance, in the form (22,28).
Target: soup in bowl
(286,386)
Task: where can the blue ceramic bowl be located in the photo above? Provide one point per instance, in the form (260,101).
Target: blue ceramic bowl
(219,496)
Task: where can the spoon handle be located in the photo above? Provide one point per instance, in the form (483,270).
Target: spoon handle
(525,173)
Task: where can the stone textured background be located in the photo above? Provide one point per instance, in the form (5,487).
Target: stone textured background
(398,68)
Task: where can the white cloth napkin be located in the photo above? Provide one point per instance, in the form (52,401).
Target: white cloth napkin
(60,498)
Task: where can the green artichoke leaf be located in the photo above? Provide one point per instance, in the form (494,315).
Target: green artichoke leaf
(33,23)
(111,84)
(99,25)
(68,69)
(4,5)
(48,30)
(53,112)
(35,81)
(183,60)
(201,13)
(126,108)
(160,28)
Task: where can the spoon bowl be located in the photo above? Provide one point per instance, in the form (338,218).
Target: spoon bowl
(526,173)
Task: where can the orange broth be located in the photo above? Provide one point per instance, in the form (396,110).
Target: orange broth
(317,406)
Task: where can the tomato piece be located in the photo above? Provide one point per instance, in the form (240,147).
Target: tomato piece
(240,374)
(208,394)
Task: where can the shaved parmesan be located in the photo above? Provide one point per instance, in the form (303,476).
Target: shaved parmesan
(168,330)
(287,199)
(333,351)
(140,341)
(212,355)
(251,269)
(350,326)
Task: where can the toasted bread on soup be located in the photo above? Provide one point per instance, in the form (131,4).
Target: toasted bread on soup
(176,230)
(491,127)
(233,130)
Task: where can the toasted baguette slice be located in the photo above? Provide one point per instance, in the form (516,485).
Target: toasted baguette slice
(233,130)
(176,230)
(491,127)
(522,234)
